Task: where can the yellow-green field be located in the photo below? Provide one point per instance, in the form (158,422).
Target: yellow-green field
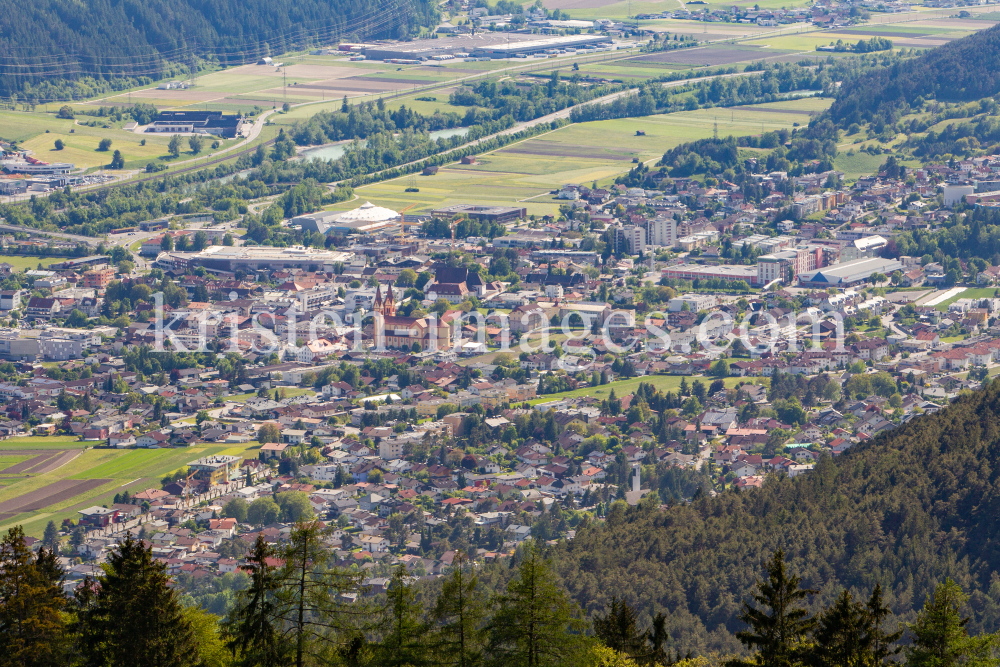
(134,469)
(21,263)
(526,173)
(624,387)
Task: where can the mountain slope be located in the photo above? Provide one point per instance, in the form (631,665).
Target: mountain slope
(961,71)
(105,39)
(914,506)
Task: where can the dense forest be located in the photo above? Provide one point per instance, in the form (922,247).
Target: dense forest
(961,71)
(907,510)
(56,49)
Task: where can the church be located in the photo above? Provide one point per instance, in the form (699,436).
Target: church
(394,331)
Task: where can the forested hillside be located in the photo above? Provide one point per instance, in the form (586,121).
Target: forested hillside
(913,507)
(960,71)
(45,44)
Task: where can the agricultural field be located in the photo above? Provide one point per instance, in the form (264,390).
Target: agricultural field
(714,55)
(527,172)
(51,478)
(623,387)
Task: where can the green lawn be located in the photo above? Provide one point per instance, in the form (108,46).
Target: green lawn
(290,392)
(28,262)
(971,293)
(45,442)
(625,387)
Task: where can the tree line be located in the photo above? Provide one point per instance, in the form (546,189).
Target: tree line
(297,607)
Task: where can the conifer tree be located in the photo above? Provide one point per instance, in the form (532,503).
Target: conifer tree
(658,637)
(880,644)
(459,614)
(619,630)
(940,636)
(309,604)
(402,631)
(252,629)
(32,626)
(839,637)
(535,624)
(50,539)
(778,626)
(132,616)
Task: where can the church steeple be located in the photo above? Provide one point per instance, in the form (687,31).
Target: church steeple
(389,307)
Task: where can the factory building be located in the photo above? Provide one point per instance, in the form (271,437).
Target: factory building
(481,45)
(498,214)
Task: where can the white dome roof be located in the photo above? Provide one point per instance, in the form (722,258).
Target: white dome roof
(368,212)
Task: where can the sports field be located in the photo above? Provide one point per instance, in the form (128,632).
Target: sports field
(51,478)
(972,293)
(24,263)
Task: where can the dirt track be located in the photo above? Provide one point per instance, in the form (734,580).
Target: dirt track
(25,466)
(42,463)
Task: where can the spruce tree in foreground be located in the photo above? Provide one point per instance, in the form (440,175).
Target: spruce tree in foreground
(536,624)
(251,630)
(840,635)
(32,625)
(778,625)
(132,616)
(619,630)
(880,644)
(310,610)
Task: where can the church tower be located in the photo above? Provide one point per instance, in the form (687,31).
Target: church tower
(385,307)
(389,307)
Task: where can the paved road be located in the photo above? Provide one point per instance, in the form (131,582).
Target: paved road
(89,240)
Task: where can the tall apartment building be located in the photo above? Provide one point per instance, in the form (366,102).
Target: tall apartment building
(661,232)
(630,239)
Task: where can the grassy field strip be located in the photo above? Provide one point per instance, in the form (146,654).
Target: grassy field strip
(44,442)
(624,387)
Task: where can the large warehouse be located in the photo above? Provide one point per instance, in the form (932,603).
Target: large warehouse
(539,45)
(711,271)
(366,219)
(230,258)
(500,214)
(480,45)
(848,274)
